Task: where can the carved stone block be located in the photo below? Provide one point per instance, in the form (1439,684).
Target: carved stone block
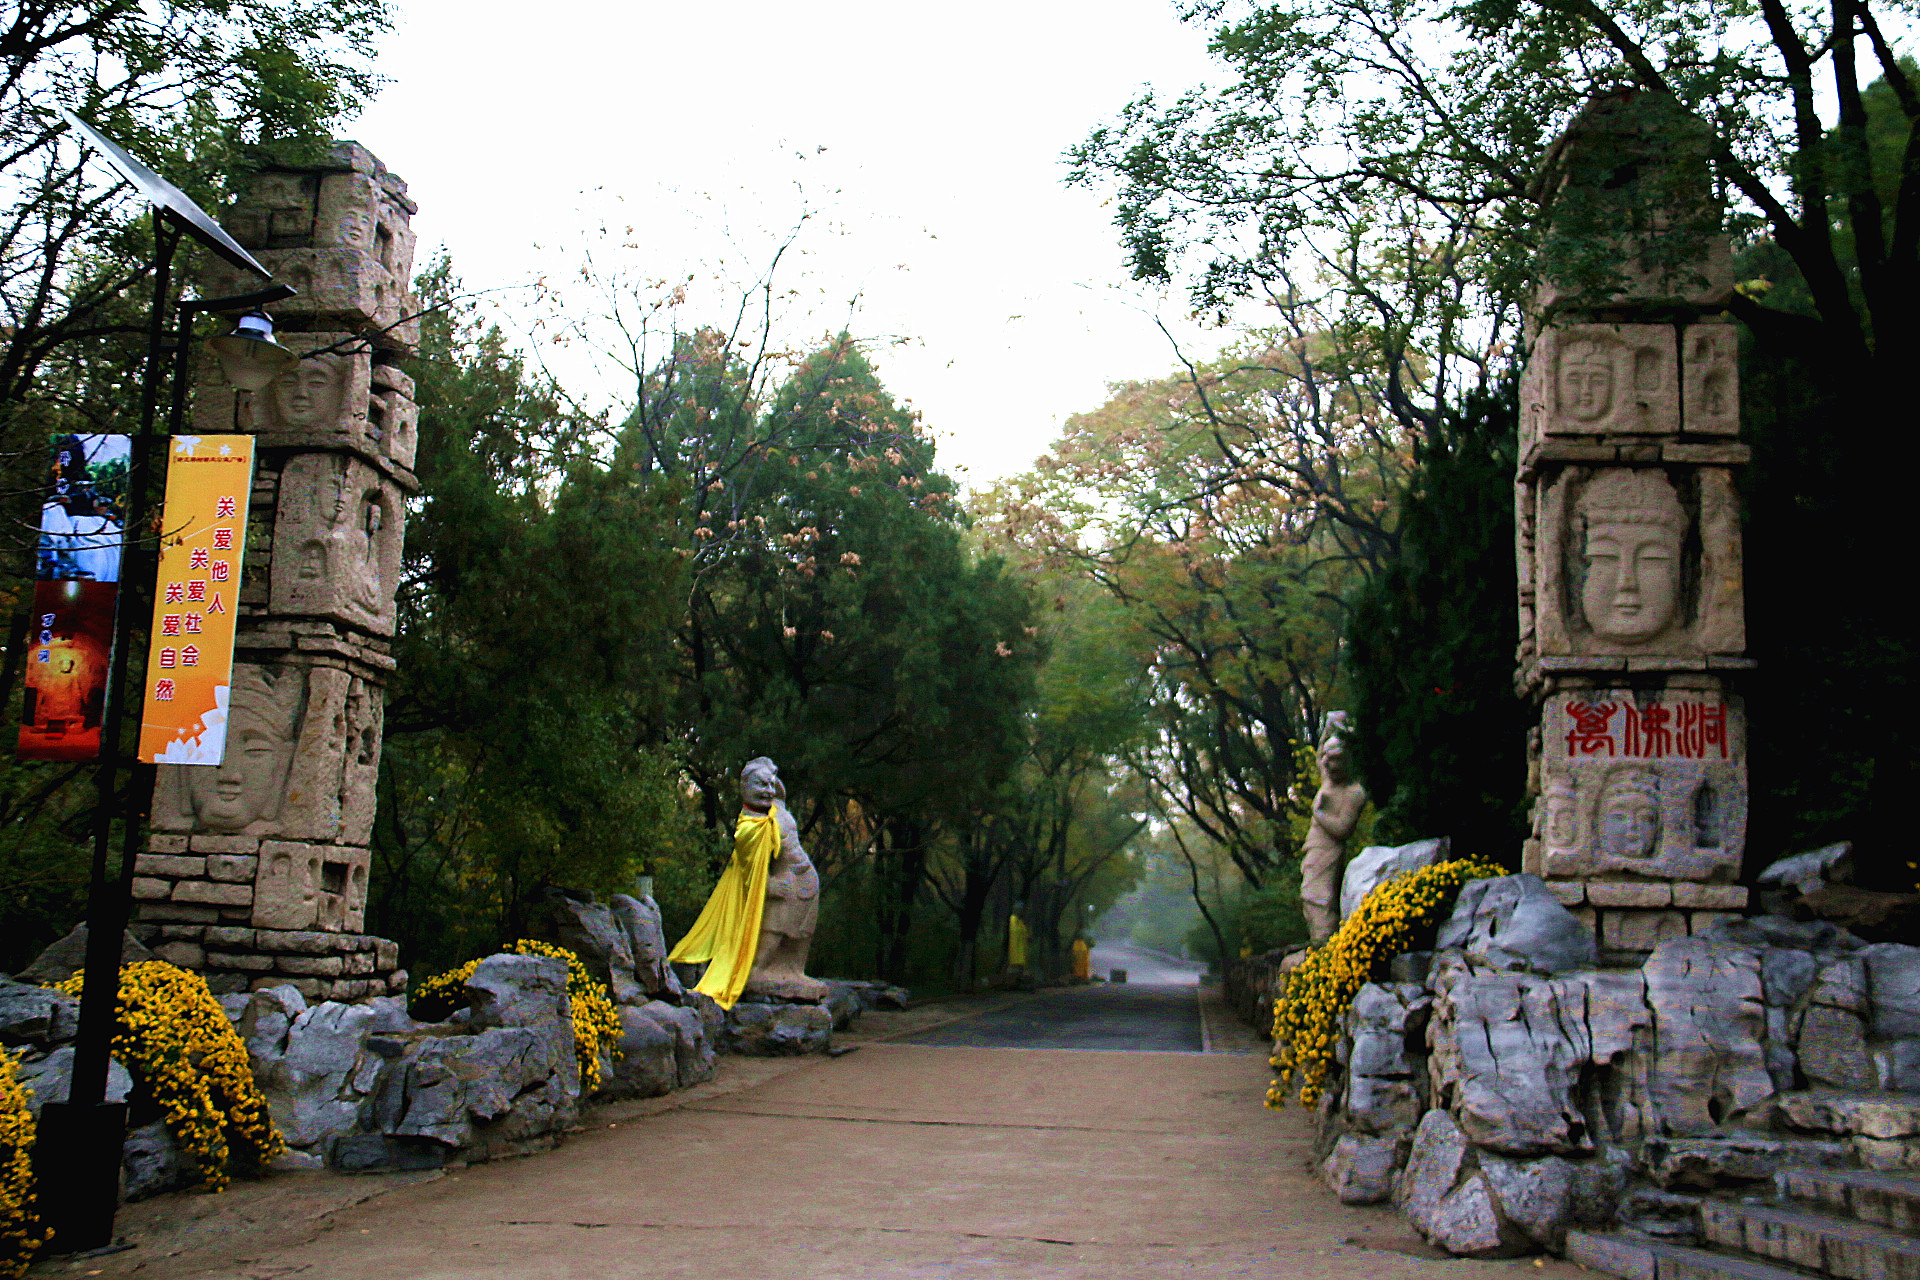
(337,540)
(1710,376)
(1652,784)
(1602,379)
(311,887)
(302,748)
(323,403)
(1638,561)
(393,425)
(342,282)
(355,212)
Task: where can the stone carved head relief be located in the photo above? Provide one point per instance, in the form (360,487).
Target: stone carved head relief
(309,394)
(1586,379)
(1630,814)
(1562,828)
(760,784)
(1635,531)
(263,729)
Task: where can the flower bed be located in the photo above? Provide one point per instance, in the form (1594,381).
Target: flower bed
(1398,916)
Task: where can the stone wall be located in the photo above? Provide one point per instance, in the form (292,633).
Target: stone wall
(1518,1089)
(257,871)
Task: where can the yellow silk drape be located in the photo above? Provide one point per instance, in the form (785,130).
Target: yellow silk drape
(727,934)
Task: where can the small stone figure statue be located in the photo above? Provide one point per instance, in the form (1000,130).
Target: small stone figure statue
(793,895)
(1336,811)
(755,931)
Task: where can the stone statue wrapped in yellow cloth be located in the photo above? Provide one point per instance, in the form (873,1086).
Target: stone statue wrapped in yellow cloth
(755,931)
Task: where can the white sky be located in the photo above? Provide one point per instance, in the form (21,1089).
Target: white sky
(941,178)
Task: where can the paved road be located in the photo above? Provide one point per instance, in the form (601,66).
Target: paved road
(1133,1017)
(1144,966)
(898,1161)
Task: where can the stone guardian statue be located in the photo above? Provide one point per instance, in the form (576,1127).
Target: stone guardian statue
(1336,812)
(755,931)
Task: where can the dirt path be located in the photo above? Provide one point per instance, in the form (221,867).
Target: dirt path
(895,1161)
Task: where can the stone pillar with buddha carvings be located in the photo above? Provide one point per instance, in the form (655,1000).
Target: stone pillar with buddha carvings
(1633,636)
(258,870)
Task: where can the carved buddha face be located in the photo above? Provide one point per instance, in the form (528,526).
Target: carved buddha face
(1563,815)
(1634,530)
(308,395)
(1586,380)
(262,730)
(1629,816)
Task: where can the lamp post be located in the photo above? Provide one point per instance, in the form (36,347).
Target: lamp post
(77,1149)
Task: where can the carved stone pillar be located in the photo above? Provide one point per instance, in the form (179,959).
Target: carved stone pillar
(258,870)
(1632,613)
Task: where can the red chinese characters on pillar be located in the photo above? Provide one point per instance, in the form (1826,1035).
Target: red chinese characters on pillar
(1681,731)
(1702,730)
(1591,733)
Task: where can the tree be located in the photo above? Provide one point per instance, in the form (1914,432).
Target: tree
(1398,152)
(1440,734)
(1230,509)
(524,743)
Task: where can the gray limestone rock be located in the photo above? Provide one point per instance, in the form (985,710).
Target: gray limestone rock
(1786,976)
(1377,864)
(315,1084)
(647,1065)
(488,1091)
(1514,922)
(1831,1040)
(712,1017)
(1360,1169)
(384,1153)
(1893,989)
(781,1030)
(843,1002)
(265,1021)
(1386,1062)
(1446,1198)
(50,1079)
(519,991)
(589,930)
(151,1162)
(1709,1017)
(1778,931)
(69,955)
(1544,1197)
(32,1015)
(1506,1063)
(640,919)
(1805,872)
(1665,1215)
(1734,1159)
(1896,1064)
(693,1048)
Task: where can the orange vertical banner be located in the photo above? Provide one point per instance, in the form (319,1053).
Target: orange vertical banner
(203,534)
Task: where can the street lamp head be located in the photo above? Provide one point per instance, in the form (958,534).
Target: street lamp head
(249,356)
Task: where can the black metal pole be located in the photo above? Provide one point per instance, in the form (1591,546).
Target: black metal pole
(77,1147)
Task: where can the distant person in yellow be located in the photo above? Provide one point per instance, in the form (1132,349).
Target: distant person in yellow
(1016,944)
(757,927)
(1082,960)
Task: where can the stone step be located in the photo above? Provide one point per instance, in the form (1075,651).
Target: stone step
(1636,1257)
(1880,1199)
(1838,1247)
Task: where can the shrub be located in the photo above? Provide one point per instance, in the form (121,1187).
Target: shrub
(175,1039)
(20,1231)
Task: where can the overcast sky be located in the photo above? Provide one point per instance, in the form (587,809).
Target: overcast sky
(939,189)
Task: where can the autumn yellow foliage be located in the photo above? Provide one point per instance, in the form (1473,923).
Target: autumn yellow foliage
(1398,916)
